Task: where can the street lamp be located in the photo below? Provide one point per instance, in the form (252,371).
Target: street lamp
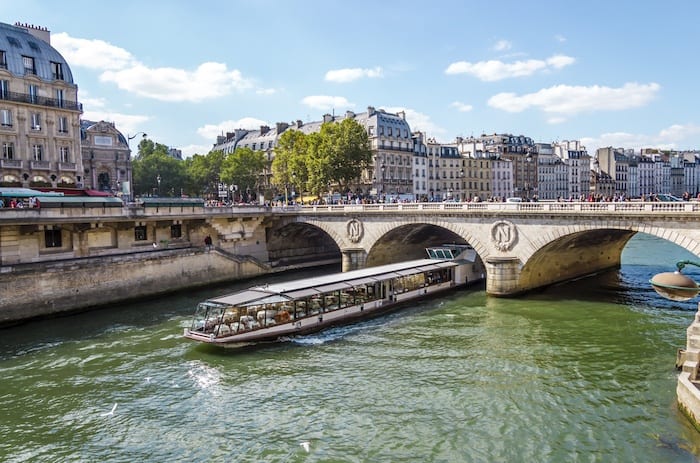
(129,138)
(675,285)
(383,169)
(158,180)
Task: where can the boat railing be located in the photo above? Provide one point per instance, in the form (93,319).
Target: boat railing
(220,320)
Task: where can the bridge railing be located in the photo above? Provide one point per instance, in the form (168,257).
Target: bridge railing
(532,207)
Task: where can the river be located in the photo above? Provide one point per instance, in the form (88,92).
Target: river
(578,372)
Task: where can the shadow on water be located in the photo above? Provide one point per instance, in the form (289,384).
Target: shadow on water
(134,315)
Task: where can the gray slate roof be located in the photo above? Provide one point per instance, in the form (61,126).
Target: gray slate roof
(16,42)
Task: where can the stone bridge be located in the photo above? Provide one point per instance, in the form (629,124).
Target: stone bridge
(523,246)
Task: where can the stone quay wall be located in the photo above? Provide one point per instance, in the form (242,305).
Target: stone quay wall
(49,288)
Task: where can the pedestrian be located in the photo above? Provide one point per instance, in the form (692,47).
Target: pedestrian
(208,242)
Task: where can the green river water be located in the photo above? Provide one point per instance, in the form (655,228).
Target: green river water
(579,372)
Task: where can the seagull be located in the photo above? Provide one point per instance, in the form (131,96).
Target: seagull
(111,412)
(305,445)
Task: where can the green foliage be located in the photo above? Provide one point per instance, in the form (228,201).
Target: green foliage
(203,173)
(336,155)
(243,168)
(152,162)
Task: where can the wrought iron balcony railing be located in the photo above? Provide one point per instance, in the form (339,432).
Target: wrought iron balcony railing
(40,100)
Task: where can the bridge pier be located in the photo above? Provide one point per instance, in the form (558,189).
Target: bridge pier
(502,275)
(353,259)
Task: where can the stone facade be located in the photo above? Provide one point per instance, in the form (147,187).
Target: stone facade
(39,112)
(106,158)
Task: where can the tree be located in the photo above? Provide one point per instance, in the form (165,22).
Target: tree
(242,168)
(153,163)
(290,165)
(352,153)
(203,172)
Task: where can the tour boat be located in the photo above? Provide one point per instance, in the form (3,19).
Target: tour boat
(269,312)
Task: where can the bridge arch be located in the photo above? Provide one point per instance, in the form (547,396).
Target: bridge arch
(522,250)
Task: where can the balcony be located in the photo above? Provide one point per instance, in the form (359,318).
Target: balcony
(40,165)
(40,101)
(66,166)
(11,163)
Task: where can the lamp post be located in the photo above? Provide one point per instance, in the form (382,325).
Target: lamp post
(383,168)
(158,180)
(131,137)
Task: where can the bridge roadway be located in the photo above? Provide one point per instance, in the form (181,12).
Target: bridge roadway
(523,246)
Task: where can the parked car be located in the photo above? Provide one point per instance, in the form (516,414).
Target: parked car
(514,200)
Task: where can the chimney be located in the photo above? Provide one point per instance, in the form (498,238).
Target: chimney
(281,127)
(349,114)
(402,115)
(299,123)
(370,110)
(264,129)
(327,118)
(41,33)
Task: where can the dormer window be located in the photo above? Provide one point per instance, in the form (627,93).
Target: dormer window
(3,59)
(57,71)
(29,67)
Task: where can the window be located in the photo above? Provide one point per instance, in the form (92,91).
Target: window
(62,124)
(176,231)
(6,117)
(64,153)
(8,150)
(59,98)
(36,121)
(140,233)
(4,89)
(52,238)
(37,152)
(28,65)
(3,59)
(57,70)
(32,93)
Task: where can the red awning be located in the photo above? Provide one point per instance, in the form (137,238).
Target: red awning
(98,193)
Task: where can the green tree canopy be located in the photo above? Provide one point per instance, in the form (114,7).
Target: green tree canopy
(203,172)
(243,168)
(290,165)
(152,163)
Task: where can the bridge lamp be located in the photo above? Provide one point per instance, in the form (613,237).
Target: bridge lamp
(674,285)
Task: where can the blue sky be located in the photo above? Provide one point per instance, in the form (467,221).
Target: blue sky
(608,73)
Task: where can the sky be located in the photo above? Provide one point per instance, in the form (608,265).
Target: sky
(608,73)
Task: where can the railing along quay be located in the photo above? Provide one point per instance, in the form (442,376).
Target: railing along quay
(639,207)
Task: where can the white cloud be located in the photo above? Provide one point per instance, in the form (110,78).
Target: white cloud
(190,150)
(419,121)
(494,70)
(351,74)
(92,54)
(673,137)
(125,123)
(502,45)
(568,100)
(93,103)
(211,131)
(266,91)
(461,107)
(560,38)
(325,102)
(209,80)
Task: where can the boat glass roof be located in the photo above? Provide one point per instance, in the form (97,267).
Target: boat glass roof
(284,291)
